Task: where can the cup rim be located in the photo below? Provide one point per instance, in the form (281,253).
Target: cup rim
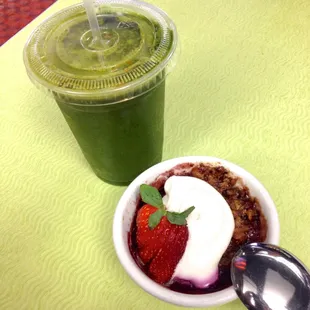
(150,286)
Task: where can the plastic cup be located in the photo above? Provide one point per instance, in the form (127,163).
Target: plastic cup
(111,94)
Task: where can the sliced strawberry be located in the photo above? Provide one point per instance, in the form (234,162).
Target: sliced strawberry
(161,247)
(164,263)
(147,240)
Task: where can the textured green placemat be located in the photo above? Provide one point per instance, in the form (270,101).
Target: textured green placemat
(240,92)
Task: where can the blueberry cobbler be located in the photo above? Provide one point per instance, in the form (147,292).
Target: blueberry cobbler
(188,225)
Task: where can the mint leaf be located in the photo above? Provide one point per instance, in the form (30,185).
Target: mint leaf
(176,218)
(151,196)
(155,218)
(179,218)
(188,211)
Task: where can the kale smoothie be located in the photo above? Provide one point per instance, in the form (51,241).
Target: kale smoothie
(111,92)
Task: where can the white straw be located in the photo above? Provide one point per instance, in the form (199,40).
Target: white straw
(92,18)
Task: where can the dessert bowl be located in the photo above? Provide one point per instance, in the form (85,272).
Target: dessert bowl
(126,210)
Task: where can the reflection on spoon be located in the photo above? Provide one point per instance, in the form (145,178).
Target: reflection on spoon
(267,277)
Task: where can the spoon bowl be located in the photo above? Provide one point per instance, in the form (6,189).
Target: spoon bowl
(267,277)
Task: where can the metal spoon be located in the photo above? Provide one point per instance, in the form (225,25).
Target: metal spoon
(266,277)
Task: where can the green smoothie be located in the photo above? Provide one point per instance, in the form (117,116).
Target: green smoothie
(112,92)
(120,141)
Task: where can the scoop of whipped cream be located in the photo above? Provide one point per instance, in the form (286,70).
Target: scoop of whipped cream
(210,227)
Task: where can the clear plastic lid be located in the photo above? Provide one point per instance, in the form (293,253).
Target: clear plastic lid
(135,53)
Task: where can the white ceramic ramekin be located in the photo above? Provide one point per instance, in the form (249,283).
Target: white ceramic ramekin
(126,209)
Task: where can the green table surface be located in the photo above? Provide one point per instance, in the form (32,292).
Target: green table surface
(240,91)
